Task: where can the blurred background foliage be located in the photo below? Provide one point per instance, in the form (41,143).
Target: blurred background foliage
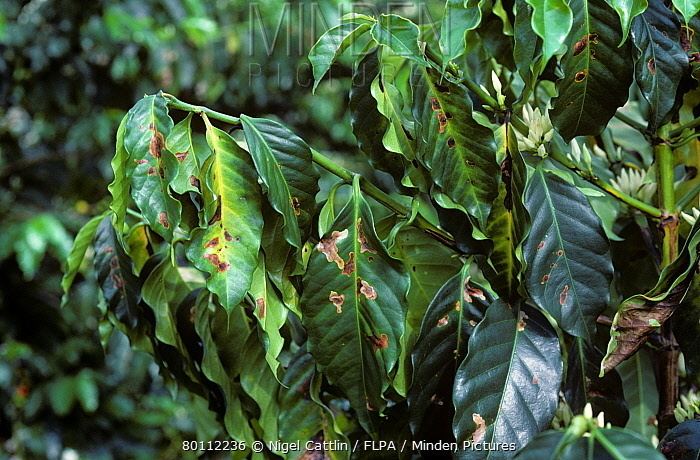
(69,70)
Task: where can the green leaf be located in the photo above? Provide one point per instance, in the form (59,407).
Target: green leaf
(617,444)
(151,166)
(368,124)
(114,273)
(302,418)
(283,161)
(584,386)
(688,8)
(331,45)
(507,224)
(260,383)
(390,104)
(82,241)
(627,10)
(429,264)
(464,166)
(400,35)
(119,188)
(163,291)
(228,248)
(506,390)
(270,312)
(459,17)
(642,314)
(597,74)
(662,62)
(641,393)
(551,21)
(62,395)
(569,264)
(448,322)
(86,390)
(682,441)
(525,45)
(223,339)
(354,308)
(180,142)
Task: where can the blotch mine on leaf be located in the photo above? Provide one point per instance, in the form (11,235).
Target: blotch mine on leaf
(163,219)
(296,205)
(540,245)
(480,431)
(580,76)
(227,236)
(458,306)
(329,247)
(535,380)
(522,316)
(212,243)
(651,65)
(435,104)
(367,290)
(560,252)
(442,122)
(337,300)
(472,323)
(451,143)
(141,161)
(151,171)
(349,265)
(581,45)
(564,295)
(443,321)
(544,280)
(260,303)
(470,292)
(364,246)
(379,343)
(156,145)
(194,182)
(220,265)
(182,155)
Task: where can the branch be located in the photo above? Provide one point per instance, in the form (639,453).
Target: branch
(176,103)
(678,131)
(329,165)
(625,198)
(631,122)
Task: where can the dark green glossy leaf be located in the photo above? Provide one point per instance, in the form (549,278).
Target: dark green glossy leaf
(283,161)
(354,308)
(258,381)
(525,39)
(151,166)
(82,241)
(640,315)
(228,248)
(597,74)
(189,157)
(583,385)
(429,264)
(331,45)
(682,442)
(641,393)
(464,166)
(368,124)
(163,291)
(506,390)
(507,224)
(551,20)
(223,339)
(618,444)
(569,264)
(447,325)
(114,273)
(662,62)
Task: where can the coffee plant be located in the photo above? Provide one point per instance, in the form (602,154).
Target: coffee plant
(513,282)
